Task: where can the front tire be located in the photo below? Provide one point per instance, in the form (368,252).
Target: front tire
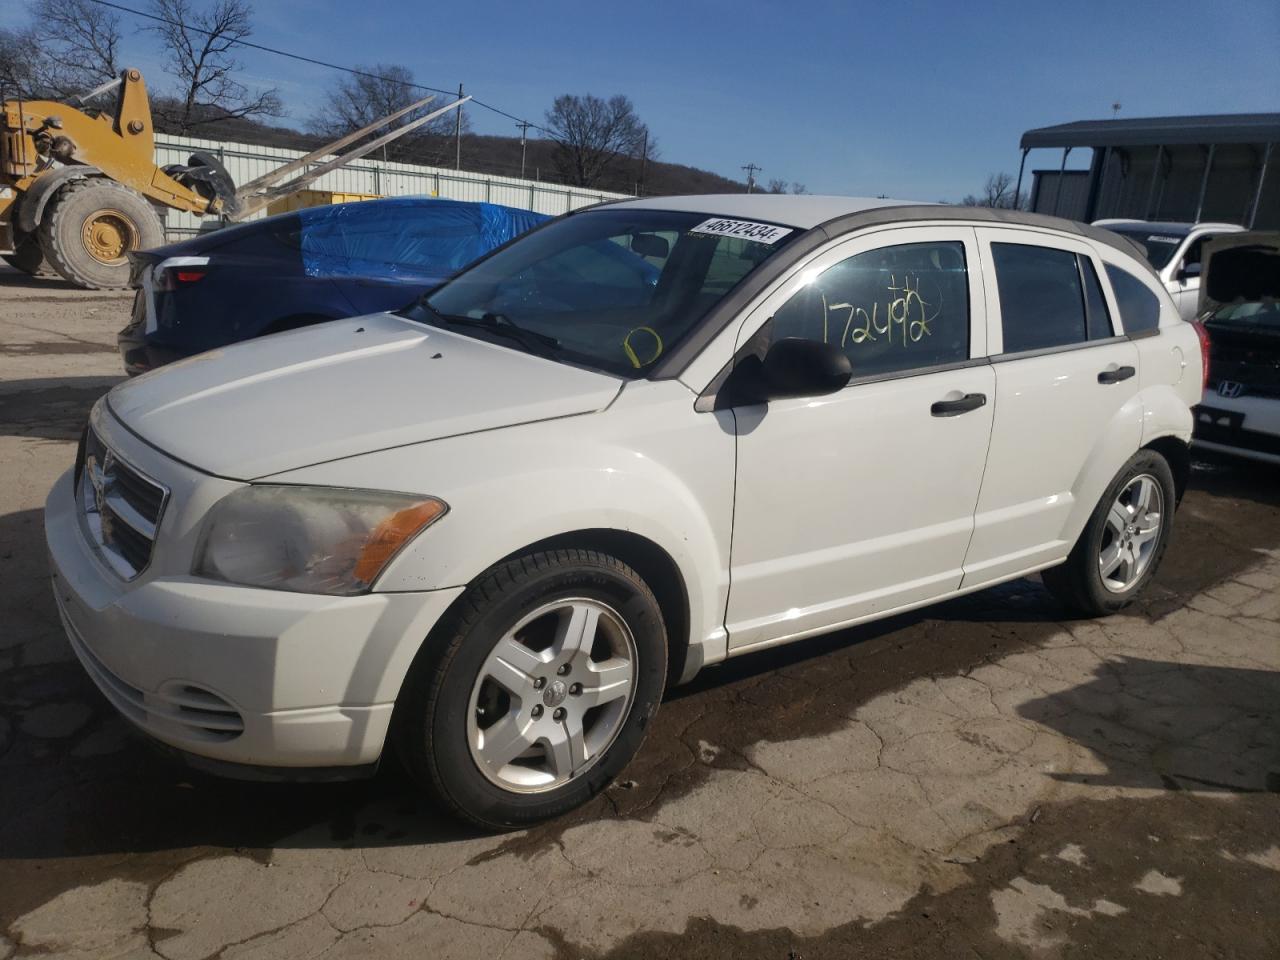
(91,226)
(1121,546)
(536,690)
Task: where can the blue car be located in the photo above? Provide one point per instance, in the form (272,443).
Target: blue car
(313,265)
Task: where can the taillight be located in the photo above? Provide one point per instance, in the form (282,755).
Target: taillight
(1205,344)
(178,272)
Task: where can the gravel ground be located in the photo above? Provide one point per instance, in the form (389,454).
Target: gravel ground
(978,779)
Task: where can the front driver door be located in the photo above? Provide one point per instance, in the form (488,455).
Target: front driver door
(860,502)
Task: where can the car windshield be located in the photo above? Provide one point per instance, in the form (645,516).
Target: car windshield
(1262,315)
(1158,246)
(612,289)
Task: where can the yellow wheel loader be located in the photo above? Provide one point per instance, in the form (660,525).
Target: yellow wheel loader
(80,189)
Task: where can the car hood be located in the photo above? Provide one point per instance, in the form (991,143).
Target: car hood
(1240,267)
(344,388)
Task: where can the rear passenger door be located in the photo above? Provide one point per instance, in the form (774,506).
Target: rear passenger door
(1066,404)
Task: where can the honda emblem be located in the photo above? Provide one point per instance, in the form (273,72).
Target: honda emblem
(1230,389)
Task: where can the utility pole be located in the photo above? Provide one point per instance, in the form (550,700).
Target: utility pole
(1115,109)
(751,169)
(457,134)
(644,157)
(524,126)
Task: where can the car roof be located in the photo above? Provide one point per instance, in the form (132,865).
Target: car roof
(833,216)
(1167,226)
(805,211)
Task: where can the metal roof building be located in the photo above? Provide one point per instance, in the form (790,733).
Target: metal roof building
(1195,168)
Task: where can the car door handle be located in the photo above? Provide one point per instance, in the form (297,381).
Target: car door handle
(953,408)
(1116,375)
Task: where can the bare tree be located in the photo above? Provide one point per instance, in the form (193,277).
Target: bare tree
(358,100)
(781,186)
(79,46)
(199,44)
(17,78)
(75,48)
(591,133)
(998,192)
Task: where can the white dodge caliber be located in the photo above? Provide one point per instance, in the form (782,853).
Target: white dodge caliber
(490,529)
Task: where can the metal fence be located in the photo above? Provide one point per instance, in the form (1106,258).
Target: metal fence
(247,161)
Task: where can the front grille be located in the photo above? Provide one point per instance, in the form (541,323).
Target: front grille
(1248,363)
(120,507)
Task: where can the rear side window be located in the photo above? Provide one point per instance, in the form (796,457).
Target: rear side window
(1041,302)
(1139,307)
(897,308)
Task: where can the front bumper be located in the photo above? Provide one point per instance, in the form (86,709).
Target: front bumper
(235,674)
(1244,426)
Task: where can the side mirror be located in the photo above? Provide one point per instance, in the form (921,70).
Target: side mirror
(803,368)
(1189,271)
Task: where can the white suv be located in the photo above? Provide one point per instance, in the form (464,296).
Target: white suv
(1175,251)
(493,527)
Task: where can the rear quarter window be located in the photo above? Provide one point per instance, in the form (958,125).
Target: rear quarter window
(1139,307)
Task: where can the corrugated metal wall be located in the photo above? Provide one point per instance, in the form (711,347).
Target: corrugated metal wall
(246,161)
(1074,192)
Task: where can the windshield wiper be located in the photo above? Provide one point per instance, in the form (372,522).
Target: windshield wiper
(499,323)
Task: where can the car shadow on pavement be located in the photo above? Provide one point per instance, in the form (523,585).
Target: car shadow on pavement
(52,408)
(13,279)
(1238,478)
(1174,726)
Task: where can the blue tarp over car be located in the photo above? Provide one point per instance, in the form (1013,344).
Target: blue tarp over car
(304,267)
(441,236)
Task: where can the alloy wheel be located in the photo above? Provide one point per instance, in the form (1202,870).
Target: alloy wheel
(1131,533)
(552,695)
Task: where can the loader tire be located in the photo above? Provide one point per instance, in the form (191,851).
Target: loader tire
(90,227)
(27,255)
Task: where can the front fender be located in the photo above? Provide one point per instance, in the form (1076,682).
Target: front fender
(653,468)
(31,208)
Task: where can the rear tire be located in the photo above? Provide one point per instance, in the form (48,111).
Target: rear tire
(504,717)
(91,226)
(1122,544)
(27,255)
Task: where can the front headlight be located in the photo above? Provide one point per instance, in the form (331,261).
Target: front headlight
(309,539)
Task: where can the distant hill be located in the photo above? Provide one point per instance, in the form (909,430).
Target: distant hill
(499,156)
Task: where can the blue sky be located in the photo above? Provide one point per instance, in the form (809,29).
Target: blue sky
(914,100)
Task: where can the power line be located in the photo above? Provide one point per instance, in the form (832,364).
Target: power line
(312,60)
(751,169)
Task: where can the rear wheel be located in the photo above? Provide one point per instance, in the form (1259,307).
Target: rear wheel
(27,255)
(538,691)
(91,226)
(1123,542)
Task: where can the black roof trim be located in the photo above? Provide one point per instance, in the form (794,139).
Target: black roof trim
(883,216)
(1157,131)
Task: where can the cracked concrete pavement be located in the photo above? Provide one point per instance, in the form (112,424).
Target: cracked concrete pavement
(979,778)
